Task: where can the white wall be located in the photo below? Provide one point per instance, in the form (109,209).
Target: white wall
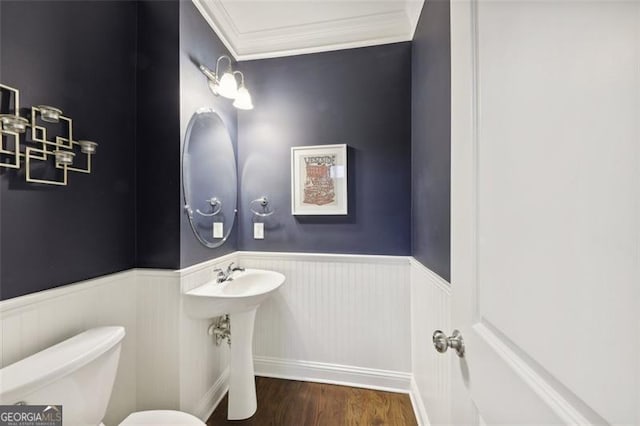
(179,365)
(203,365)
(430,311)
(158,301)
(34,322)
(168,360)
(358,320)
(337,318)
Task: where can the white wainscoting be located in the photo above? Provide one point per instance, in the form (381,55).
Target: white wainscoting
(158,308)
(168,361)
(348,319)
(179,365)
(34,322)
(203,365)
(337,318)
(430,310)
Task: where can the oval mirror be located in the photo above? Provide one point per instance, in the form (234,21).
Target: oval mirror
(209,178)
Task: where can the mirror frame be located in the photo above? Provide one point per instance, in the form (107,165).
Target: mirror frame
(185,194)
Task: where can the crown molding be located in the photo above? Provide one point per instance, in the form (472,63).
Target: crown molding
(331,35)
(414,9)
(353,32)
(205,9)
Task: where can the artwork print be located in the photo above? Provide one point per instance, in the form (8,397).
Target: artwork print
(319,178)
(319,188)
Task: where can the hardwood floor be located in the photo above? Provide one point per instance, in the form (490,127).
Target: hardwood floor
(292,403)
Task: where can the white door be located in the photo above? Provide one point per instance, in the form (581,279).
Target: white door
(546,211)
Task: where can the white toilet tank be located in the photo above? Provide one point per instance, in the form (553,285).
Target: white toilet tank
(77,373)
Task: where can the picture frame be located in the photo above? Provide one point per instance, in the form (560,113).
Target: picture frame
(319,180)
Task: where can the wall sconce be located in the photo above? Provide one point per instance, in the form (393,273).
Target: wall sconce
(243,98)
(227,85)
(63,149)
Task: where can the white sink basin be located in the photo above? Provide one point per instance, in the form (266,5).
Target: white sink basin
(240,298)
(244,292)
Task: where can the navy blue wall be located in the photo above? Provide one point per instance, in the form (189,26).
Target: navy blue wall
(173,40)
(431,139)
(79,56)
(200,45)
(50,236)
(158,132)
(361,97)
(117,68)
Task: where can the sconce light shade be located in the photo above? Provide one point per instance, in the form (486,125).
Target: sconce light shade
(228,86)
(243,99)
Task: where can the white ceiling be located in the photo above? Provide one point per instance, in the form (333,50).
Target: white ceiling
(254,29)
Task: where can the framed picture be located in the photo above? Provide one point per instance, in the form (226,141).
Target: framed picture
(319,180)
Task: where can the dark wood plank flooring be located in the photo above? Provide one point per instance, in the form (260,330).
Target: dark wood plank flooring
(292,403)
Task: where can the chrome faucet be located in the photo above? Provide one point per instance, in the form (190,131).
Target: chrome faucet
(226,275)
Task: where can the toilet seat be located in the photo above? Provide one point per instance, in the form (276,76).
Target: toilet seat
(161,417)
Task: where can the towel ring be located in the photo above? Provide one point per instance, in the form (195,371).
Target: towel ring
(264,202)
(214,202)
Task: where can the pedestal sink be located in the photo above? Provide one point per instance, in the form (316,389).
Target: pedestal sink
(239,297)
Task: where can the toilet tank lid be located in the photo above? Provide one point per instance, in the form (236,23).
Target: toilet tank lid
(49,365)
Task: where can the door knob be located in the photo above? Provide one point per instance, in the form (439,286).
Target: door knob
(441,342)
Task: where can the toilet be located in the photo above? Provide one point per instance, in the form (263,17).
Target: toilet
(78,374)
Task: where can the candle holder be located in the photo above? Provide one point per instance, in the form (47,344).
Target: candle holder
(63,149)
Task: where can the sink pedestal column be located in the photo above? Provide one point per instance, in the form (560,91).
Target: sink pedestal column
(242,384)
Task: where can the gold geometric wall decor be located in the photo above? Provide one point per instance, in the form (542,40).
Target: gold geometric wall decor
(16,149)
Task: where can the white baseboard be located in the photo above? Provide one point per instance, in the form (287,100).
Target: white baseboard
(418,406)
(212,398)
(335,374)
